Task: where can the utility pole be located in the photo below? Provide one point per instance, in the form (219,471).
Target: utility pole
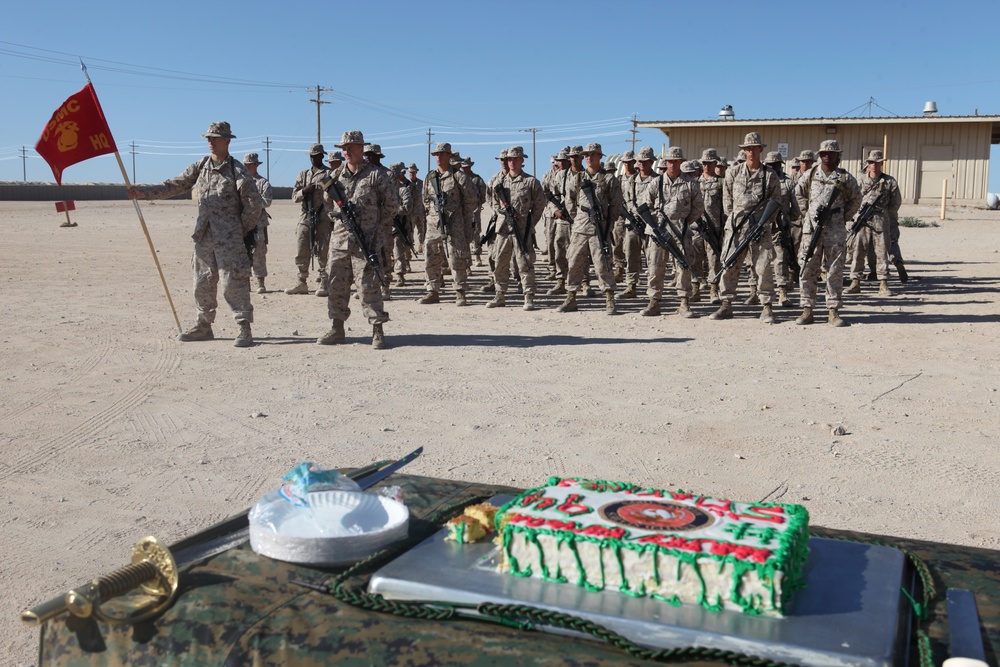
(267,150)
(319,93)
(429,135)
(534,156)
(133,162)
(634,131)
(24,164)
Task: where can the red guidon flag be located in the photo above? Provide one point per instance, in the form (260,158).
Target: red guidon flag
(76,132)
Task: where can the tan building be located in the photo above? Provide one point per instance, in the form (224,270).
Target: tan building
(922,152)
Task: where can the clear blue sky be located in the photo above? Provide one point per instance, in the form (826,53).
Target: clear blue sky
(474,72)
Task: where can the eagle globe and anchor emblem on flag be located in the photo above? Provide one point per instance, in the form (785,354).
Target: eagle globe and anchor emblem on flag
(66,136)
(656,515)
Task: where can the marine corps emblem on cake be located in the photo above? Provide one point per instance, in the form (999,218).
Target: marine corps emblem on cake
(655,515)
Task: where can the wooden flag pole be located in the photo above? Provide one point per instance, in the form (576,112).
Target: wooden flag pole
(142,222)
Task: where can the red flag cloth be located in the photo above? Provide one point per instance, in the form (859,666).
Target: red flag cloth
(63,206)
(76,132)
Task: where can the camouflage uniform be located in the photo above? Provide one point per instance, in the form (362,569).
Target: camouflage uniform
(548,221)
(419,214)
(878,234)
(229,208)
(476,229)
(312,176)
(813,191)
(376,197)
(460,199)
(677,200)
(584,241)
(783,277)
(561,183)
(743,191)
(407,204)
(260,247)
(528,201)
(711,196)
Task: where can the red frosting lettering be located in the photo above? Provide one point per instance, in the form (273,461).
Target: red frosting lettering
(572,505)
(602,532)
(722,508)
(770,514)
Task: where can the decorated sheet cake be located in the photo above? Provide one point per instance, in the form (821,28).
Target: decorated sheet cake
(674,546)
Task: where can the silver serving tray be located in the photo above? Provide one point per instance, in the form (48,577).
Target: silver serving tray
(849,614)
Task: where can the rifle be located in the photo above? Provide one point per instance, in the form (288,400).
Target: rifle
(399,229)
(349,216)
(503,195)
(559,205)
(638,226)
(491,230)
(661,238)
(312,216)
(788,243)
(710,233)
(757,228)
(823,215)
(250,243)
(587,186)
(440,199)
(866,213)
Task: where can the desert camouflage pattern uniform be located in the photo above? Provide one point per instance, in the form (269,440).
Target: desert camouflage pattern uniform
(384,245)
(790,209)
(220,191)
(561,183)
(548,219)
(377,199)
(528,200)
(584,243)
(407,204)
(743,190)
(260,249)
(303,255)
(419,214)
(679,201)
(633,195)
(476,229)
(460,199)
(813,191)
(879,235)
(711,197)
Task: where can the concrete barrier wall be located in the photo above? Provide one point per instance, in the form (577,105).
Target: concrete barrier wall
(22,191)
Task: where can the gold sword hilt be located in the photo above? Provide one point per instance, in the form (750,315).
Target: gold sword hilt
(153,569)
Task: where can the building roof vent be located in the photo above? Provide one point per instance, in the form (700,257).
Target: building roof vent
(727,113)
(930,109)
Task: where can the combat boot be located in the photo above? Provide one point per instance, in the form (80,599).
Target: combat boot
(386,295)
(589,292)
(430,297)
(753,299)
(619,274)
(244,338)
(609,302)
(569,305)
(629,292)
(696,292)
(713,294)
(324,284)
(684,310)
(552,275)
(479,259)
(400,280)
(883,288)
(558,288)
(835,320)
(767,315)
(783,299)
(378,337)
(499,301)
(652,308)
(854,287)
(488,288)
(806,317)
(901,270)
(529,302)
(460,299)
(725,311)
(260,286)
(200,331)
(300,288)
(334,335)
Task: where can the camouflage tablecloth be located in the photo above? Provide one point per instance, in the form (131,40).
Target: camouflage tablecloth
(238,608)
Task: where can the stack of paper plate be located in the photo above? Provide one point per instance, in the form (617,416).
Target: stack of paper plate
(338,527)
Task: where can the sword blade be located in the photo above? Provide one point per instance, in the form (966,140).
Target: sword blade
(963,626)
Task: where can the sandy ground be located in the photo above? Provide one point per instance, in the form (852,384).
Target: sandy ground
(112,430)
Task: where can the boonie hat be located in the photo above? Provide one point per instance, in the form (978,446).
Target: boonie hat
(875,156)
(628,156)
(516,151)
(443,147)
(645,153)
(807,155)
(674,153)
(316,149)
(413,167)
(709,155)
(773,157)
(374,149)
(335,156)
(219,129)
(752,139)
(351,137)
(592,148)
(251,158)
(830,146)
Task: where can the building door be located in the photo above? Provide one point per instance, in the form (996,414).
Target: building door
(935,168)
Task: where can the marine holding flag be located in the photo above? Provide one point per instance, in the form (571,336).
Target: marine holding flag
(229,206)
(76,132)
